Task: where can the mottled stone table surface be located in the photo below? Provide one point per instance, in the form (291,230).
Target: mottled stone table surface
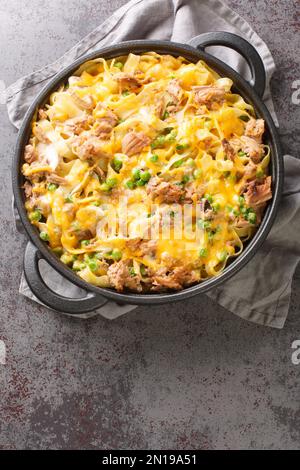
(189,375)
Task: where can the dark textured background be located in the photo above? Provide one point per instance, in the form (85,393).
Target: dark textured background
(180,376)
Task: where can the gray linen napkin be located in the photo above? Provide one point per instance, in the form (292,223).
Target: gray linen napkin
(261,291)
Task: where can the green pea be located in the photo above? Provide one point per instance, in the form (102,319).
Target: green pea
(141,182)
(171,136)
(154,158)
(145,176)
(78,265)
(251,217)
(244,211)
(44,236)
(241,153)
(116,254)
(131,271)
(93,264)
(111,182)
(203,252)
(85,242)
(105,187)
(222,255)
(117,164)
(35,216)
(119,65)
(125,93)
(136,174)
(130,184)
(52,187)
(216,207)
(158,142)
(66,258)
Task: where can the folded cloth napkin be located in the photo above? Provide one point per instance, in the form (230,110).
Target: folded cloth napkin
(261,291)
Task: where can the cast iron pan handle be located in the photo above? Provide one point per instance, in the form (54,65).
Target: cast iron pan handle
(48,296)
(221,38)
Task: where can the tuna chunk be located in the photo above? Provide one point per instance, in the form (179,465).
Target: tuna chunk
(42,114)
(27,189)
(90,148)
(255,129)
(134,142)
(83,234)
(164,191)
(40,134)
(208,95)
(175,91)
(258,192)
(142,247)
(86,103)
(160,106)
(228,150)
(121,275)
(127,81)
(30,154)
(252,148)
(54,178)
(105,124)
(193,193)
(240,222)
(77,124)
(103,129)
(175,279)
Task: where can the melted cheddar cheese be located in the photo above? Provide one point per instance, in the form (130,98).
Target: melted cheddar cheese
(136,171)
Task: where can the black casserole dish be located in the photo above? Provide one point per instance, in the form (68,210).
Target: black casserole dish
(251,92)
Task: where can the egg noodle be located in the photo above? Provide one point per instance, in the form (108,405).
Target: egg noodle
(146,172)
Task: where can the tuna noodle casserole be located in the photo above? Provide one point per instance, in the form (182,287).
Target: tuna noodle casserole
(156,137)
